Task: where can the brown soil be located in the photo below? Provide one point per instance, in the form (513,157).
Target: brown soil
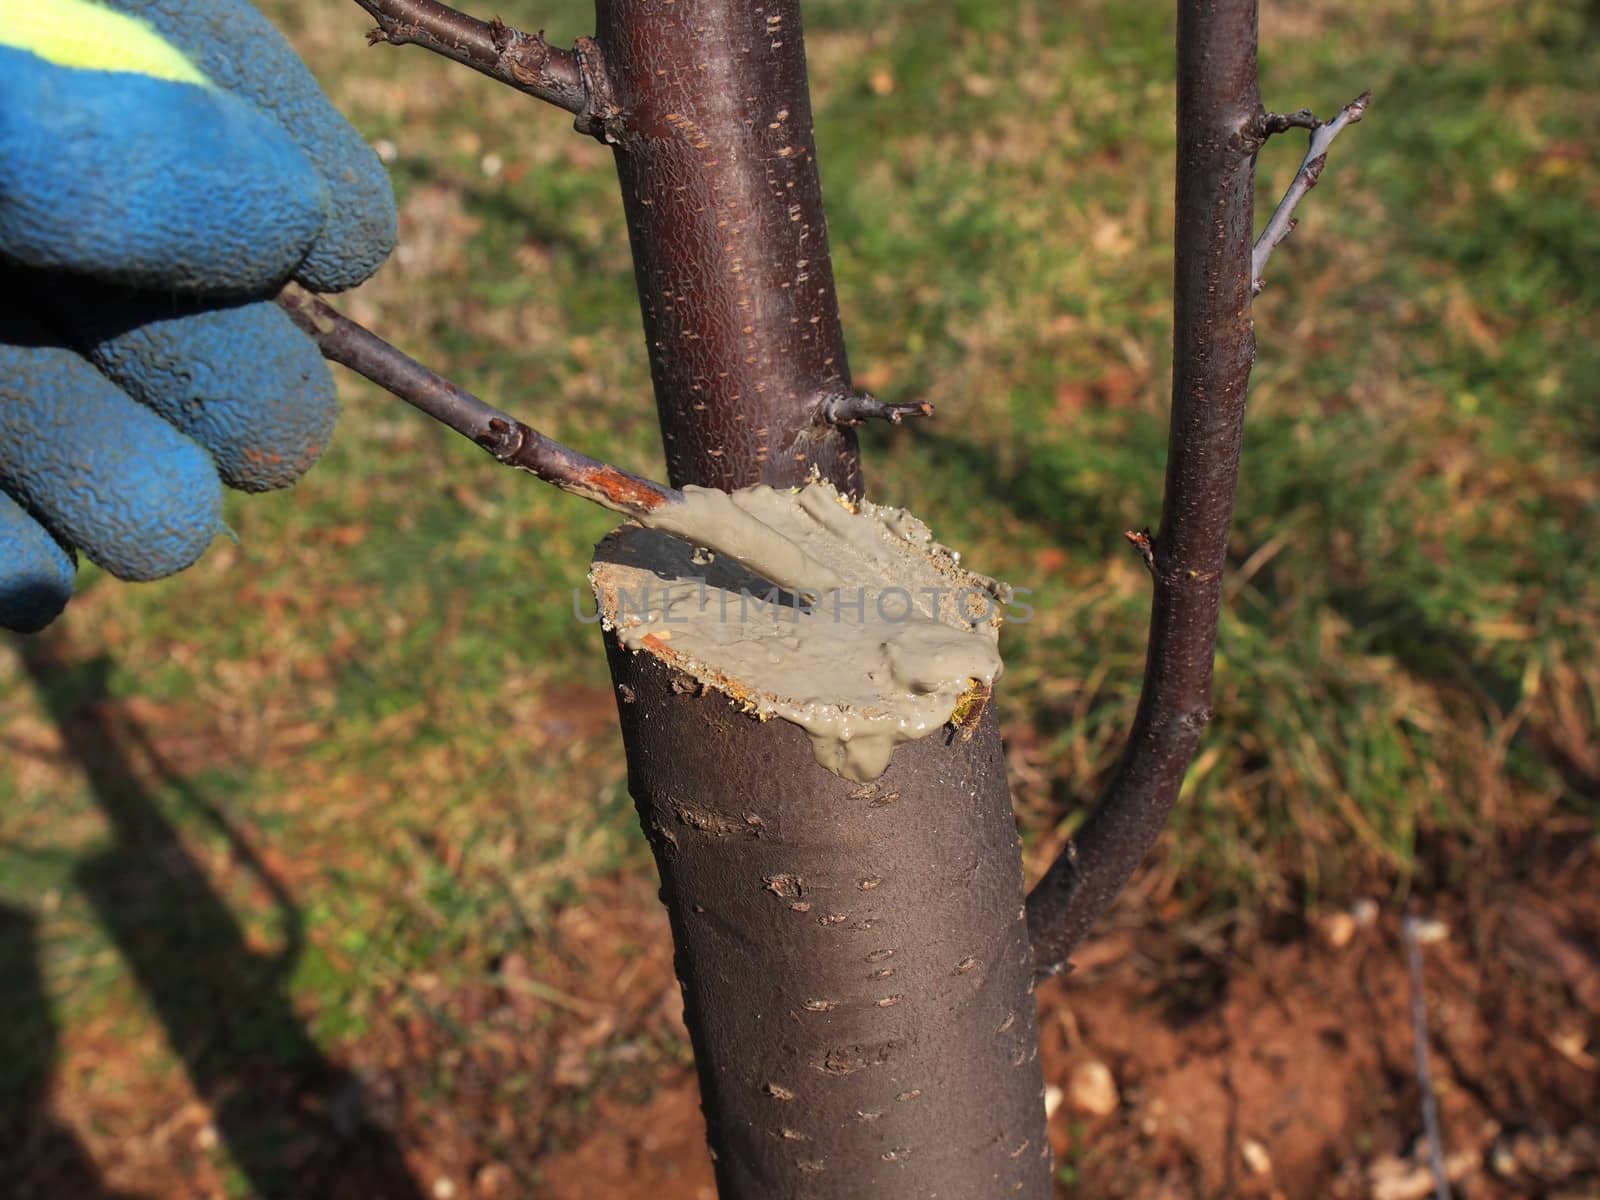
(1252,1062)
(1278,1066)
(1287,1068)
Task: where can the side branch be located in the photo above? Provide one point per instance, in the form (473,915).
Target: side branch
(1283,220)
(520,60)
(1220,120)
(507,439)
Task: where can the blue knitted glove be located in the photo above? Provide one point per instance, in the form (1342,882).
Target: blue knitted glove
(165,166)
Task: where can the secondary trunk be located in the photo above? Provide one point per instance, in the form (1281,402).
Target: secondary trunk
(1220,129)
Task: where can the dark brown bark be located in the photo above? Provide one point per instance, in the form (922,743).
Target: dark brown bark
(854,958)
(828,1067)
(730,247)
(1221,125)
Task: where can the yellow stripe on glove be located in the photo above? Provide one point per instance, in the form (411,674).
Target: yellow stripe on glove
(81,34)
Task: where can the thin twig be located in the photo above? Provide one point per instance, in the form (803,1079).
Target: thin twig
(503,436)
(851,408)
(1283,222)
(524,61)
(1419,1038)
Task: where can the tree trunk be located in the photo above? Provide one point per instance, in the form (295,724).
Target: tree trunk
(854,960)
(854,957)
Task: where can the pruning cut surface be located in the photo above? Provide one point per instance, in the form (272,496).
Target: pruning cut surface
(877,636)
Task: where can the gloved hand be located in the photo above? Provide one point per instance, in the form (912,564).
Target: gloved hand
(165,166)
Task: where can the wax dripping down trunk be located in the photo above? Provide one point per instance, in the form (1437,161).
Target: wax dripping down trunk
(853,959)
(730,247)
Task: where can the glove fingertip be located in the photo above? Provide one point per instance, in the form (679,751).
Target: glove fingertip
(167,512)
(241,379)
(38,573)
(101,472)
(362,226)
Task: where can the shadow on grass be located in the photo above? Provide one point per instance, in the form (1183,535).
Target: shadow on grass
(291,1120)
(39,1157)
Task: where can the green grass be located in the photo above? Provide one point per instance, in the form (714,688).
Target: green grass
(377,681)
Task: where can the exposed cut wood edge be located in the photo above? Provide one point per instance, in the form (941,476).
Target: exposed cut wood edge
(610,580)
